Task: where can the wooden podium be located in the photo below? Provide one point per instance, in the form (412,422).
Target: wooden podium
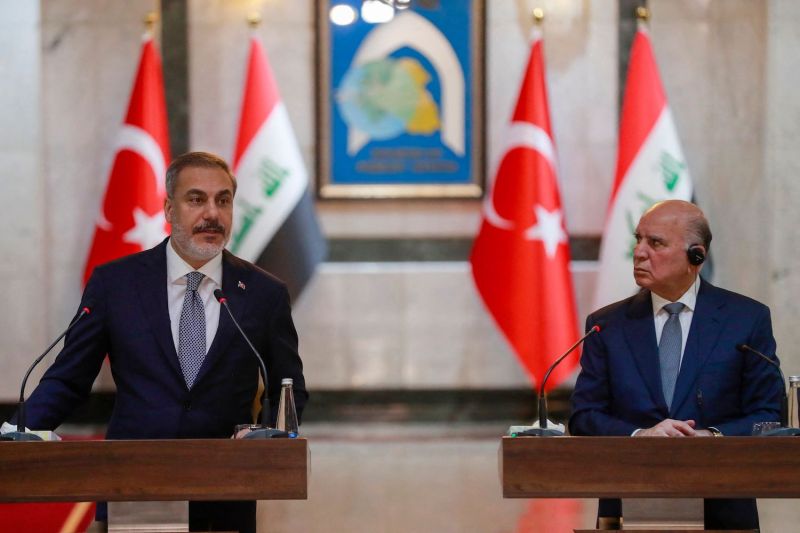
(625,467)
(153,470)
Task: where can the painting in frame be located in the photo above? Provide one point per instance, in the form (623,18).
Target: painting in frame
(400,104)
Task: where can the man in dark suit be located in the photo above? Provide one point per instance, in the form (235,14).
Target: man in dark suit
(666,361)
(181,368)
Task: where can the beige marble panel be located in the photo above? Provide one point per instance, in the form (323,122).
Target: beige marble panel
(23,326)
(407,325)
(781,170)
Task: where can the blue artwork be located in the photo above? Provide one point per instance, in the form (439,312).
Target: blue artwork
(401,103)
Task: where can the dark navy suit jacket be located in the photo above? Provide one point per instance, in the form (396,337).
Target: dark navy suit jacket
(130,322)
(619,387)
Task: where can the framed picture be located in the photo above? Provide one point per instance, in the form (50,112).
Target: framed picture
(400,105)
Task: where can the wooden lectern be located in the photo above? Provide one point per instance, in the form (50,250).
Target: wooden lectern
(624,467)
(154,470)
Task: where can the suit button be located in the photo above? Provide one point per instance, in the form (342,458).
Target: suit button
(187,406)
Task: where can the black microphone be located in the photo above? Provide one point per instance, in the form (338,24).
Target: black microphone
(265,432)
(543,430)
(21,432)
(784,430)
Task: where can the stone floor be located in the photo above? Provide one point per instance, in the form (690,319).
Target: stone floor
(380,478)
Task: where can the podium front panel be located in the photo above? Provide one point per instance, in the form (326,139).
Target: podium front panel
(154,470)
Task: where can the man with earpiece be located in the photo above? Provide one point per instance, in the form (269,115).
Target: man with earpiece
(666,362)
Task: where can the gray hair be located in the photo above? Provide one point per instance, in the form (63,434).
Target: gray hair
(698,231)
(194,159)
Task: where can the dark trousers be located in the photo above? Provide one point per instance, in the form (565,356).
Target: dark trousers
(223,516)
(719,513)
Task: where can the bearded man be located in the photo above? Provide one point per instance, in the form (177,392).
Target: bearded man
(181,368)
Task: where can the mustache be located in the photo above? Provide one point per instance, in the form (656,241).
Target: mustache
(210,226)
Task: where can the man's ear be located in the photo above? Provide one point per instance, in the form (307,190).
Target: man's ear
(168,210)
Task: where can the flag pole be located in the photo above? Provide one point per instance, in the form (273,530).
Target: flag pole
(642,17)
(254,20)
(538,16)
(149,23)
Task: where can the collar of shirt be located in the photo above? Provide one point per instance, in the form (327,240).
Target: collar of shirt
(177,268)
(689,299)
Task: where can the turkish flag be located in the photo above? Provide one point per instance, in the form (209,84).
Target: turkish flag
(132,217)
(520,259)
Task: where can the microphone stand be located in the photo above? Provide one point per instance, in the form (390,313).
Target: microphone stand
(543,430)
(264,432)
(21,434)
(784,430)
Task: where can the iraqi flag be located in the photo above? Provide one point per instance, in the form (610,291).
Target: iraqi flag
(132,215)
(520,259)
(650,168)
(274,225)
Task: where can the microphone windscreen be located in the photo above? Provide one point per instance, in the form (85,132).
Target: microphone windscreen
(219,295)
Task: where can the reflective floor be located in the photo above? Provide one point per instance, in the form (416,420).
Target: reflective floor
(377,478)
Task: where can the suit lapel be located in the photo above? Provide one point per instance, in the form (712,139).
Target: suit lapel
(152,285)
(234,283)
(641,337)
(703,336)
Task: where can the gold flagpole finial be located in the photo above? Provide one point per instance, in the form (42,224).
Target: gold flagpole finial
(253,19)
(150,21)
(642,13)
(538,15)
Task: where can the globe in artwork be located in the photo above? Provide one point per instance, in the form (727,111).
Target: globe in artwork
(387,97)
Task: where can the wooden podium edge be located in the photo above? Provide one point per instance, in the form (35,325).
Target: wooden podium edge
(154,470)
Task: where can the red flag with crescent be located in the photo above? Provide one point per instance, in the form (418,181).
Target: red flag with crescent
(520,259)
(131,217)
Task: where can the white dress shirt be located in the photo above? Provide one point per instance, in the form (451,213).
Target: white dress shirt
(177,269)
(660,315)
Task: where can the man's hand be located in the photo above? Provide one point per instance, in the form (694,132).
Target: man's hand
(671,428)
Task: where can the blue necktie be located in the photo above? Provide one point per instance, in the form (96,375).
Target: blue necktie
(192,330)
(669,350)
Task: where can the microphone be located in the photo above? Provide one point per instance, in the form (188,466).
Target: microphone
(784,430)
(265,432)
(543,430)
(21,432)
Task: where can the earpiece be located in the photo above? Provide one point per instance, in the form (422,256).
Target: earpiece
(696,255)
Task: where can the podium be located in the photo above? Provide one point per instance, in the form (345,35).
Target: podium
(650,467)
(154,470)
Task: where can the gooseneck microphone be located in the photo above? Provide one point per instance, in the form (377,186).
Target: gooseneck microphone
(543,430)
(265,432)
(21,433)
(784,430)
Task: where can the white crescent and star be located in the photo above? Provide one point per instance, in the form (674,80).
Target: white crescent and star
(549,227)
(148,230)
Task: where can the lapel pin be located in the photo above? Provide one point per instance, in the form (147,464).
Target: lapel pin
(241,285)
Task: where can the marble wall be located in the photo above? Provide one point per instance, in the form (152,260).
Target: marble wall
(24,322)
(781,217)
(727,65)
